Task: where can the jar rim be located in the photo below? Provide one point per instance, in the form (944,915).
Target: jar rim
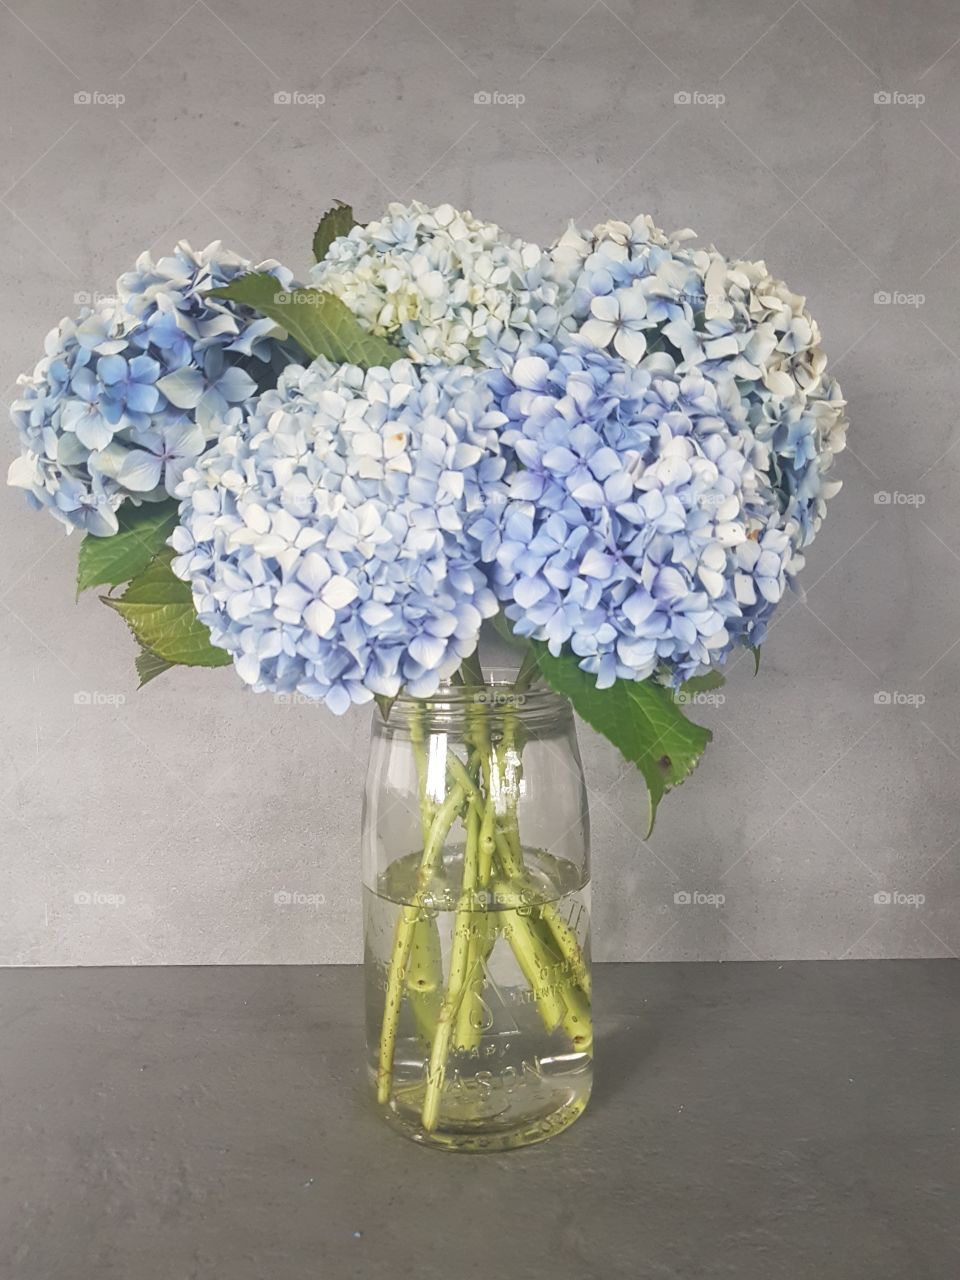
(496,695)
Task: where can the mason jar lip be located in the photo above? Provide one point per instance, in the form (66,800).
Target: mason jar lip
(497,693)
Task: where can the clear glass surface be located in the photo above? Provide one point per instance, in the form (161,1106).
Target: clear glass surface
(476,883)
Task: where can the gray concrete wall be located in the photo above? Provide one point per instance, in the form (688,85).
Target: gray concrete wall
(158,827)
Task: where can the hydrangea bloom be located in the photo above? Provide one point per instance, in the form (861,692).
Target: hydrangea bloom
(174,318)
(454,289)
(323,535)
(130,393)
(625,280)
(625,440)
(643,530)
(633,290)
(585,263)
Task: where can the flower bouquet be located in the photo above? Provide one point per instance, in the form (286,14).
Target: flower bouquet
(612,451)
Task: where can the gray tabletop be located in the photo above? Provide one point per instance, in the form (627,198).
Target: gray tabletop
(749,1120)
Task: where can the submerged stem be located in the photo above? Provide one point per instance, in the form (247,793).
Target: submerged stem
(483,792)
(456,980)
(405,933)
(469,1026)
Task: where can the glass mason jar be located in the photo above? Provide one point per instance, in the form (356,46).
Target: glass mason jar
(476,885)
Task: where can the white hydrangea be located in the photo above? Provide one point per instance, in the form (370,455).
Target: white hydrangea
(451,288)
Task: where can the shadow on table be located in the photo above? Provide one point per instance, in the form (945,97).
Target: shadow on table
(629,1040)
(623,1053)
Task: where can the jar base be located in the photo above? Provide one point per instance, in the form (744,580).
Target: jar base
(473,1128)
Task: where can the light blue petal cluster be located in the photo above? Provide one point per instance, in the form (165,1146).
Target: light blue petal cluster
(128,395)
(324,534)
(450,287)
(168,311)
(625,440)
(630,289)
(639,528)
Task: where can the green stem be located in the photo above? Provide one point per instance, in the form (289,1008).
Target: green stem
(484,793)
(425,975)
(446,816)
(488,842)
(405,933)
(470,1018)
(533,958)
(511,859)
(471,671)
(427,806)
(473,941)
(569,946)
(564,938)
(396,973)
(456,979)
(469,1027)
(559,1000)
(461,775)
(529,669)
(425,968)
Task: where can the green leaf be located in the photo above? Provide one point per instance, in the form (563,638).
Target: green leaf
(320,322)
(143,531)
(335,222)
(158,609)
(702,684)
(149,666)
(640,718)
(385,704)
(755,650)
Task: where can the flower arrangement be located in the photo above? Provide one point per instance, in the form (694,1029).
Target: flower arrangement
(615,450)
(620,444)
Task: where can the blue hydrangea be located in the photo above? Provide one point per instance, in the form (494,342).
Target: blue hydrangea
(804,434)
(632,290)
(129,394)
(324,534)
(167,310)
(640,528)
(626,440)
